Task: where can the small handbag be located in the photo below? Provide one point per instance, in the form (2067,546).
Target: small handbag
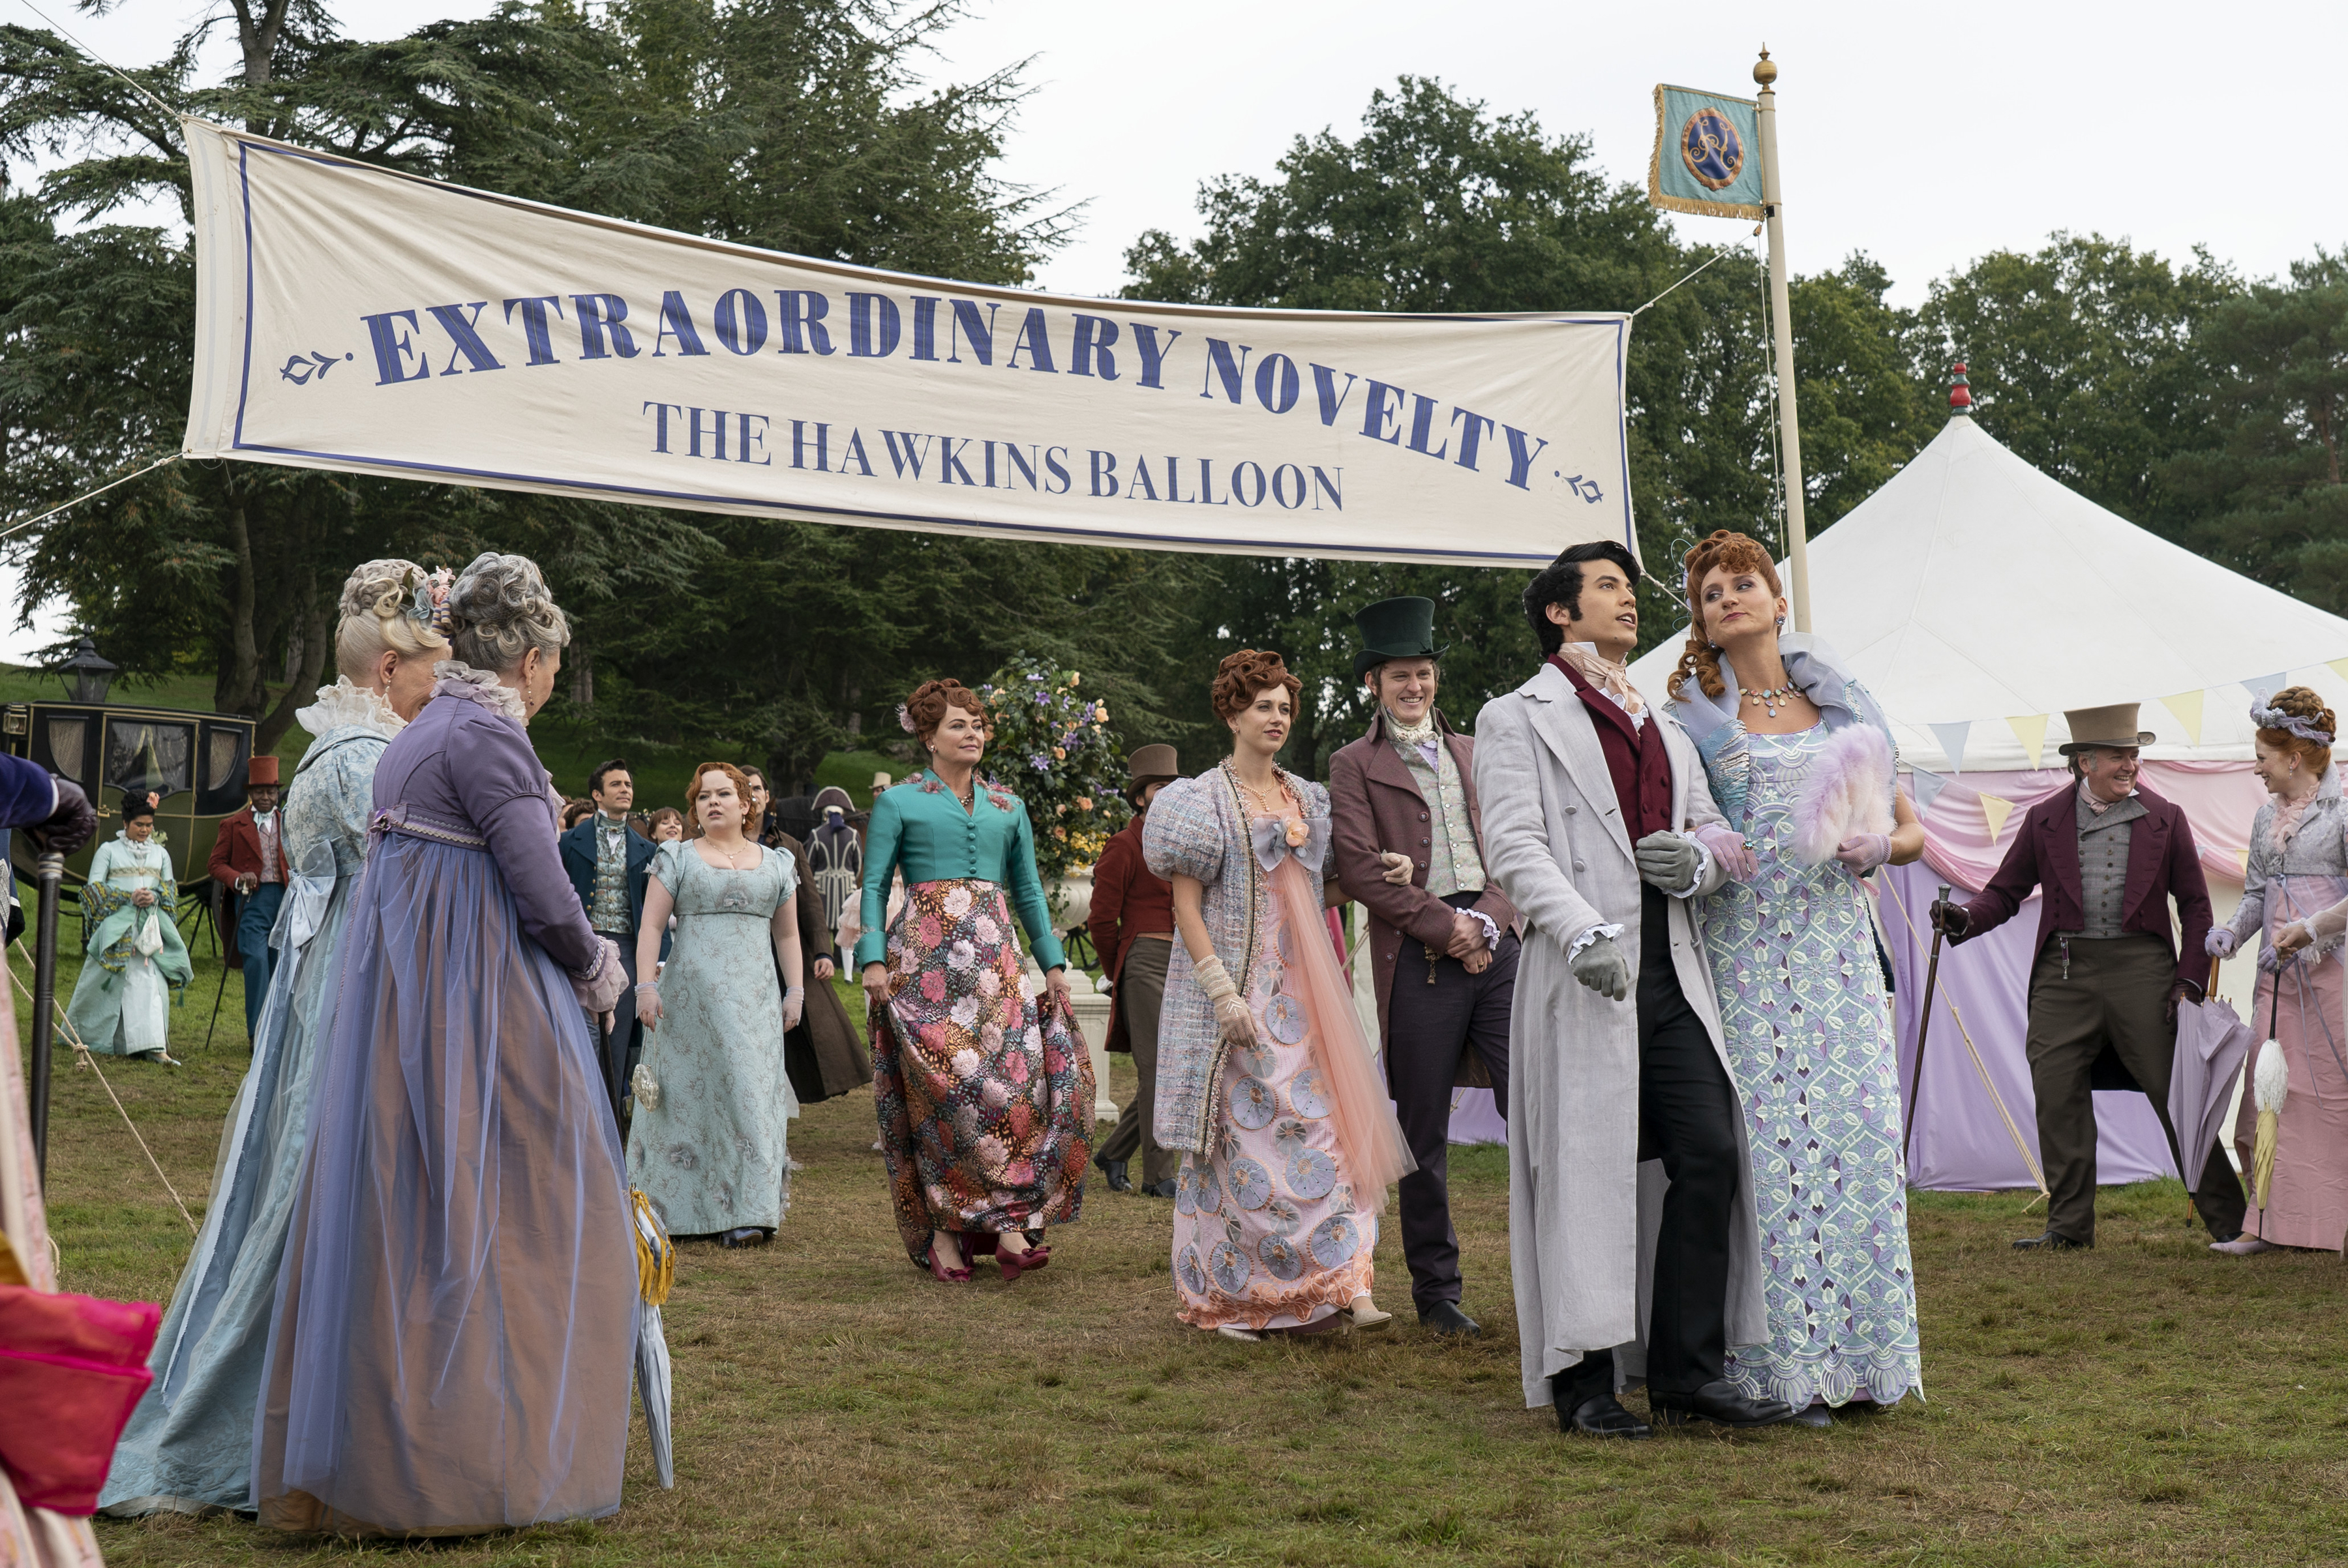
(81,1362)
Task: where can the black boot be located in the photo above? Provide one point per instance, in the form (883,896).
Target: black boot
(1445,1317)
(1719,1403)
(1113,1172)
(2052,1242)
(1594,1415)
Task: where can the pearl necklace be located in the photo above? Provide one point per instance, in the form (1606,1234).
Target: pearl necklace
(1774,695)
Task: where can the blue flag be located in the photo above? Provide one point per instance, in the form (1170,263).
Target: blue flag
(1707,155)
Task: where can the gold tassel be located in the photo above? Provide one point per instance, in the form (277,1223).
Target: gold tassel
(655,1253)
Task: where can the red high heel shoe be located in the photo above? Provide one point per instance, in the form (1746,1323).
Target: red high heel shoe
(945,1276)
(1016,1263)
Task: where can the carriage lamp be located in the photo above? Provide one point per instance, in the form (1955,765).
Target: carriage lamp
(90,674)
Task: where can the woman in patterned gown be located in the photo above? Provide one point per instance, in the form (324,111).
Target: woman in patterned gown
(1264,1082)
(984,1091)
(1788,741)
(134,959)
(189,1446)
(709,1141)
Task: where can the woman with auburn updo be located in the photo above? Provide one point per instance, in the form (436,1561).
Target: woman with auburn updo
(456,1315)
(1800,761)
(189,1446)
(984,1088)
(1265,1084)
(2292,899)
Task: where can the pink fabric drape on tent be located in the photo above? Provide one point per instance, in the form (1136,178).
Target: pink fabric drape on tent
(1962,1143)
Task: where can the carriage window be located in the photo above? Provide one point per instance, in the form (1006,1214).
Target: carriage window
(221,757)
(144,754)
(65,739)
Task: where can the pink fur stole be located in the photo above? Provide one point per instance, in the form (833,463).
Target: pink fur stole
(1848,792)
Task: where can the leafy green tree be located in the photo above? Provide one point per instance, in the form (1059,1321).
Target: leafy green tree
(1439,206)
(2083,360)
(2265,489)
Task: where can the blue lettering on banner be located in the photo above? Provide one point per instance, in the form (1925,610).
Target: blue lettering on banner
(855,453)
(660,412)
(799,318)
(464,331)
(1521,456)
(872,326)
(910,456)
(1325,388)
(676,322)
(1034,342)
(1472,437)
(394,348)
(1095,335)
(1275,383)
(966,325)
(534,327)
(741,322)
(1222,366)
(1104,472)
(1378,410)
(1141,487)
(1153,358)
(600,316)
(1422,425)
(716,433)
(925,327)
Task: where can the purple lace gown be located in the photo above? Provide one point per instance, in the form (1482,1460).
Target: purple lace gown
(457,1311)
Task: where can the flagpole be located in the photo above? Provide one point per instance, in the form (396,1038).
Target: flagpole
(1798,543)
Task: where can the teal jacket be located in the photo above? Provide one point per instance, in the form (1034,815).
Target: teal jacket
(920,827)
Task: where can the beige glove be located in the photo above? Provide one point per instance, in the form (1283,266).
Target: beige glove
(1232,1020)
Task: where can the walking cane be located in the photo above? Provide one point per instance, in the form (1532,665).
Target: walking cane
(50,873)
(1923,1028)
(216,1000)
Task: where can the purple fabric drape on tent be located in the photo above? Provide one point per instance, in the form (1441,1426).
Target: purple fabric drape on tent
(1960,1144)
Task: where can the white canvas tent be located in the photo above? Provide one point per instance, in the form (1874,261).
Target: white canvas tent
(1973,589)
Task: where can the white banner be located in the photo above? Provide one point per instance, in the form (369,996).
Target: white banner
(357,319)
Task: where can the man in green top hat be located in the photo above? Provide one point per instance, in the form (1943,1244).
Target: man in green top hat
(1443,955)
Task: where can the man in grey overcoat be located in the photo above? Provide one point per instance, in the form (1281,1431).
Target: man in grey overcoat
(1627,1157)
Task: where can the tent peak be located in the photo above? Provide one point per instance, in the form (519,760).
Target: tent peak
(1961,397)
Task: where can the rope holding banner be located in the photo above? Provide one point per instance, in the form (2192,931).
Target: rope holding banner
(87,495)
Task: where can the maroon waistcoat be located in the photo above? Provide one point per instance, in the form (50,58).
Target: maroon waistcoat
(1635,756)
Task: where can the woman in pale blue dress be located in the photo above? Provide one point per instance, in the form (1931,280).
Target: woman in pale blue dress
(189,1446)
(708,1143)
(1800,761)
(133,959)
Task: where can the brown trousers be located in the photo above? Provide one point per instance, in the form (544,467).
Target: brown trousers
(1141,993)
(2116,994)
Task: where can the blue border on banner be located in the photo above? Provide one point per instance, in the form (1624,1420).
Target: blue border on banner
(743,504)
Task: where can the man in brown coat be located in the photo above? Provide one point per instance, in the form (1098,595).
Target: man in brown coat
(1444,957)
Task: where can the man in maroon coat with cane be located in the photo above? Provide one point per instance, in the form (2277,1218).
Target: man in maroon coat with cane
(1444,957)
(2107,976)
(1132,928)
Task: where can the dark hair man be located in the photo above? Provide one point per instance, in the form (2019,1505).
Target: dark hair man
(1590,796)
(609,862)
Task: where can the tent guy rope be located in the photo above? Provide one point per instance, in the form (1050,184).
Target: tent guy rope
(101,59)
(87,495)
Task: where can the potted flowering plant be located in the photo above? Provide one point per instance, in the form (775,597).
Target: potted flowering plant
(1052,748)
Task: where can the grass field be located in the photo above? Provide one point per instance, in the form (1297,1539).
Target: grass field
(2148,1402)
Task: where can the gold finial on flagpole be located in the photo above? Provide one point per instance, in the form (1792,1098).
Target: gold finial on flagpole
(1766,71)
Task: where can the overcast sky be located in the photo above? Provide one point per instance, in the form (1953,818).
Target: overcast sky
(1922,135)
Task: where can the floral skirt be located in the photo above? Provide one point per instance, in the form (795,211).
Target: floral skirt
(985,1094)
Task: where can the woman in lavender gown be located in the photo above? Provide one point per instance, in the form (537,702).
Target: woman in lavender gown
(1787,742)
(457,1310)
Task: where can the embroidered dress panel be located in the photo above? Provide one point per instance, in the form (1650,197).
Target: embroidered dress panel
(1810,1039)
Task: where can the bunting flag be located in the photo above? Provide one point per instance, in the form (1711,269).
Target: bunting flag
(2187,707)
(1707,157)
(1951,737)
(2264,686)
(1924,786)
(2032,732)
(2340,668)
(1996,809)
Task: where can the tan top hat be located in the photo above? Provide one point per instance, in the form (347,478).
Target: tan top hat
(1149,765)
(2111,726)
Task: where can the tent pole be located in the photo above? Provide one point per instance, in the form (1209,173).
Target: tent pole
(1798,543)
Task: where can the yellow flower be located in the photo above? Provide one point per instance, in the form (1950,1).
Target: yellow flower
(1073,678)
(1100,711)
(1084,802)
(1059,753)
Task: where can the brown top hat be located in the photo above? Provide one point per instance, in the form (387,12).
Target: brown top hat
(2112,726)
(1150,765)
(261,770)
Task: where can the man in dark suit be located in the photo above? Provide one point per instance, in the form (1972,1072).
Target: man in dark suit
(609,862)
(2107,976)
(1444,956)
(1132,927)
(249,858)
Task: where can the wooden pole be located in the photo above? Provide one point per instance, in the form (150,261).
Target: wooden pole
(1797,542)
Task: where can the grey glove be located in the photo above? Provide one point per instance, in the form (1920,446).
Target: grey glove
(1601,966)
(1668,861)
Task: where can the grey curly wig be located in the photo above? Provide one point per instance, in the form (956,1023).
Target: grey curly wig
(374,619)
(501,610)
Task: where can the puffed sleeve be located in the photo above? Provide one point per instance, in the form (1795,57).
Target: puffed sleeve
(666,868)
(788,864)
(1183,836)
(883,835)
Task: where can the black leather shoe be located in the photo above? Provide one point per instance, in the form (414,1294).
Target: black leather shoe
(1600,1416)
(1113,1172)
(746,1236)
(1445,1317)
(1813,1416)
(2052,1242)
(1719,1403)
(1162,1190)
